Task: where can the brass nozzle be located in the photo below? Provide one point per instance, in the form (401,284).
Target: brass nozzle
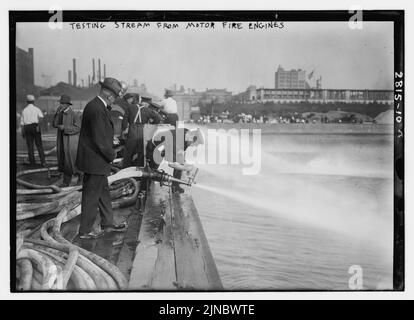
(172,179)
(191,179)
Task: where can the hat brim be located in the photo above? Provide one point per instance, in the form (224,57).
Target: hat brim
(117,94)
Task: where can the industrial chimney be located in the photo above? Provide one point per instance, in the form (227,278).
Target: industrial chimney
(104,70)
(99,69)
(69,77)
(74,73)
(93,70)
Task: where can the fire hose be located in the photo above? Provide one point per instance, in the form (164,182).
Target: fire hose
(57,263)
(52,262)
(48,261)
(53,188)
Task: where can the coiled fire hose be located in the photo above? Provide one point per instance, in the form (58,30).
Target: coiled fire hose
(44,200)
(46,189)
(52,262)
(56,263)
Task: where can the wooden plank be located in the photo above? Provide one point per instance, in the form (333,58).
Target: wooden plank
(194,267)
(164,276)
(173,253)
(195,228)
(147,249)
(152,257)
(130,241)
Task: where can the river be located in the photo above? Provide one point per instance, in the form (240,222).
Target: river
(321,206)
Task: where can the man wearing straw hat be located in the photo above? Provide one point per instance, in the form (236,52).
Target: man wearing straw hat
(168,106)
(30,123)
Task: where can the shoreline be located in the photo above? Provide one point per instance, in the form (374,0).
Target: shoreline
(306,128)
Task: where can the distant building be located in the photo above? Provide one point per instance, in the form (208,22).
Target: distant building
(263,95)
(250,95)
(290,79)
(319,83)
(188,100)
(187,103)
(24,76)
(216,96)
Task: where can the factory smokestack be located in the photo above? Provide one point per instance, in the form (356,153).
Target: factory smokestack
(104,70)
(69,77)
(99,69)
(93,70)
(74,73)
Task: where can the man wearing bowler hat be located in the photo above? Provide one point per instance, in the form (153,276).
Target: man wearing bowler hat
(95,153)
(68,126)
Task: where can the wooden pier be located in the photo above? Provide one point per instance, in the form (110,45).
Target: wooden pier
(163,249)
(172,251)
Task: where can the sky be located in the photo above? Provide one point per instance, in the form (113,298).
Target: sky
(215,58)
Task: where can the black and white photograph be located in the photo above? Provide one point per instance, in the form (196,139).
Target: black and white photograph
(216,151)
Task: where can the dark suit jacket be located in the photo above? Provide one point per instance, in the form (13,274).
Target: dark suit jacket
(95,150)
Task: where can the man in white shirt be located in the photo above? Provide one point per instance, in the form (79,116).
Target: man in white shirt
(169,107)
(30,123)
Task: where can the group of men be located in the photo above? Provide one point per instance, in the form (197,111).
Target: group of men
(85,147)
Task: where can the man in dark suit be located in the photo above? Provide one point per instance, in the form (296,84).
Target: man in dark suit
(95,153)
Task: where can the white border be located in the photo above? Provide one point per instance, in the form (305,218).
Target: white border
(205,5)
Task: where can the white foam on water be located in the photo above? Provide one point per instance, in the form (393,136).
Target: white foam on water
(333,187)
(318,208)
(301,192)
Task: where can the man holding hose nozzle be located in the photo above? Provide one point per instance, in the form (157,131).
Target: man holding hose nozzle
(171,146)
(95,153)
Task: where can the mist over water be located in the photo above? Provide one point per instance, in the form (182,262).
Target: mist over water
(320,204)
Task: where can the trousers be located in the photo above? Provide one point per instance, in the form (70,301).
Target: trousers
(134,145)
(95,198)
(172,119)
(32,137)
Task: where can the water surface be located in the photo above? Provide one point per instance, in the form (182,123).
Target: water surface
(321,204)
